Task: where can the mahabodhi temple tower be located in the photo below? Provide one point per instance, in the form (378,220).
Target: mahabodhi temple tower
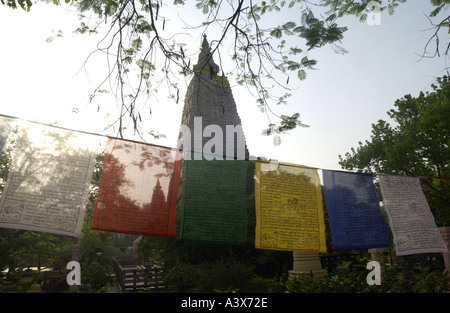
(210,122)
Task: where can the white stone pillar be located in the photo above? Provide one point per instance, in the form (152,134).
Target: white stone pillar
(306,263)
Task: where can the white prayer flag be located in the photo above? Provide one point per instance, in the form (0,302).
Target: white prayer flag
(48,180)
(411,220)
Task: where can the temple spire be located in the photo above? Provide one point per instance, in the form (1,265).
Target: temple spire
(209,103)
(158,185)
(205,60)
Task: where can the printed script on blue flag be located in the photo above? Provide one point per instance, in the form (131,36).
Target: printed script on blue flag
(354,214)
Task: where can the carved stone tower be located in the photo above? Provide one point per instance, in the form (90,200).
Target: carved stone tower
(210,116)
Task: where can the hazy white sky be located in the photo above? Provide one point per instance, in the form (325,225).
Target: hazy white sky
(340,100)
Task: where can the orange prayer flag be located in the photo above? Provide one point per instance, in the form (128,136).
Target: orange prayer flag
(138,189)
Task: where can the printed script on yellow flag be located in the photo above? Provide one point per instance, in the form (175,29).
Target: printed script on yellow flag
(289,210)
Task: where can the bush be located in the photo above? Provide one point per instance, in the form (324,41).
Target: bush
(182,276)
(432,281)
(225,275)
(350,277)
(97,275)
(55,285)
(222,275)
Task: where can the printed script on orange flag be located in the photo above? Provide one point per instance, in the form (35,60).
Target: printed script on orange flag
(138,189)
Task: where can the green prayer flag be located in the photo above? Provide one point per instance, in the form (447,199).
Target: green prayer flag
(212,204)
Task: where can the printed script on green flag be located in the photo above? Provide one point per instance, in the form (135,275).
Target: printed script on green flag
(213,201)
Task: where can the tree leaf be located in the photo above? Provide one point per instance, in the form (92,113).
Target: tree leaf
(292,65)
(276,32)
(301,74)
(136,44)
(289,25)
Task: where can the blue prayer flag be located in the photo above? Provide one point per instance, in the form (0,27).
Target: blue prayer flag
(354,213)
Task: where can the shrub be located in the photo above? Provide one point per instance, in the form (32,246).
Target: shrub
(182,276)
(225,275)
(97,275)
(221,275)
(350,277)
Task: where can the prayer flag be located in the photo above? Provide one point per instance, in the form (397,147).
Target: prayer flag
(353,210)
(213,201)
(138,189)
(411,220)
(48,180)
(289,210)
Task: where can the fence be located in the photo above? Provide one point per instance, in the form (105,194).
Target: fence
(133,276)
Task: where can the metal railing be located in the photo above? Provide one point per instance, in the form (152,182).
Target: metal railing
(133,276)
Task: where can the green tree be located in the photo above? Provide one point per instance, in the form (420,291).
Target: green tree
(417,145)
(92,241)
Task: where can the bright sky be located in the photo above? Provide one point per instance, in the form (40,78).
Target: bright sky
(44,82)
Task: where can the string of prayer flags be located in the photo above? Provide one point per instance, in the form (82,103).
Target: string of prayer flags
(213,202)
(51,169)
(353,210)
(138,189)
(48,180)
(412,223)
(289,210)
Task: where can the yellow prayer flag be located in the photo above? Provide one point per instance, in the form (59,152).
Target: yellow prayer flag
(289,210)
